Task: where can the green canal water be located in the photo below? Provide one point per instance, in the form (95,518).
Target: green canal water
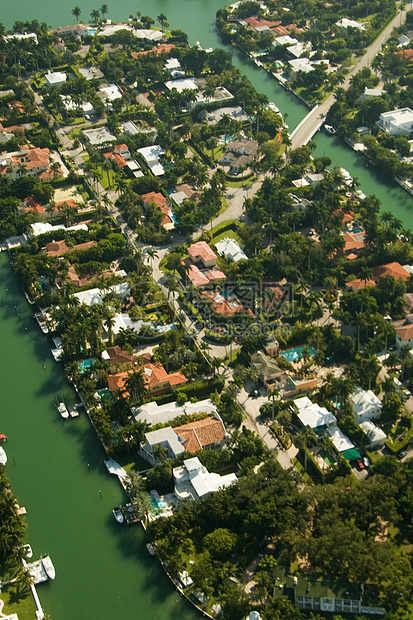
(103,570)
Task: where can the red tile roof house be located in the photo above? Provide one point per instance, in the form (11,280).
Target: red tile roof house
(207,434)
(200,251)
(33,162)
(221,306)
(357,285)
(158,381)
(31,205)
(391,269)
(159,201)
(404,336)
(198,278)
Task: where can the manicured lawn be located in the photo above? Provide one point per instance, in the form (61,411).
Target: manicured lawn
(221,232)
(241,183)
(20,603)
(104,180)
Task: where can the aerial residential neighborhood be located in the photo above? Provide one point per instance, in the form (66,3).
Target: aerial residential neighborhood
(216,303)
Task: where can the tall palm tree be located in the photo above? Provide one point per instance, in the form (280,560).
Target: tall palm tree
(327,448)
(163,20)
(152,253)
(303,439)
(136,385)
(95,15)
(76,13)
(104,10)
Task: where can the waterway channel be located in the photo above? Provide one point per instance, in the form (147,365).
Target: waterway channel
(103,570)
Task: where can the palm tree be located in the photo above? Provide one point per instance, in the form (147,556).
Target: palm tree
(136,385)
(327,448)
(95,15)
(302,441)
(152,253)
(76,13)
(163,20)
(104,10)
(159,452)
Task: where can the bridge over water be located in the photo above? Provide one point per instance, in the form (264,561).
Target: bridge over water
(311,123)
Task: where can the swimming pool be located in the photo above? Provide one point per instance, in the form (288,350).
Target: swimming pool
(158,504)
(293,355)
(86,364)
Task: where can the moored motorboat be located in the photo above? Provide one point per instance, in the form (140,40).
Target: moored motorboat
(330,129)
(3,437)
(48,567)
(3,456)
(27,550)
(118,514)
(62,409)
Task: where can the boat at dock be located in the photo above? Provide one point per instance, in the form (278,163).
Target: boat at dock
(3,456)
(62,409)
(118,514)
(151,548)
(28,552)
(48,567)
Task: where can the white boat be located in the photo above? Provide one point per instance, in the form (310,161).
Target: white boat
(118,514)
(330,129)
(3,456)
(48,567)
(151,548)
(27,550)
(271,106)
(62,409)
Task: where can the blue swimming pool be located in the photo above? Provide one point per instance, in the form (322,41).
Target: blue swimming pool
(86,364)
(158,504)
(293,355)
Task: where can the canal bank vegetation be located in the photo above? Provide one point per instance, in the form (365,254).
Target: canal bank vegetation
(241,544)
(359,113)
(14,579)
(308,49)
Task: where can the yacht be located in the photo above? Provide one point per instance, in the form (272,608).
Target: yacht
(330,129)
(28,552)
(3,456)
(48,567)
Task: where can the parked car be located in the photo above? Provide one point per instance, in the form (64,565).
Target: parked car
(402,454)
(366,462)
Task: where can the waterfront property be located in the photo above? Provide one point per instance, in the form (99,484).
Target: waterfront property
(193,480)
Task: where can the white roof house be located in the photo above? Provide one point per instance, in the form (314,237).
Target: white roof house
(397,122)
(91,73)
(231,249)
(375,435)
(100,136)
(350,23)
(285,40)
(172,64)
(55,79)
(38,228)
(339,439)
(94,295)
(372,92)
(403,40)
(109,94)
(165,437)
(19,36)
(151,155)
(160,414)
(312,415)
(366,405)
(301,64)
(193,480)
(299,48)
(140,33)
(182,84)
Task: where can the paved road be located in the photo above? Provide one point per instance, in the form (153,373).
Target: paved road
(314,119)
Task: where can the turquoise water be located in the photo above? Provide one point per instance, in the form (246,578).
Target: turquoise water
(86,364)
(293,355)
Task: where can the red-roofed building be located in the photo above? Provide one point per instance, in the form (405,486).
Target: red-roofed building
(358,284)
(33,162)
(157,50)
(16,106)
(159,201)
(353,242)
(346,218)
(391,269)
(200,251)
(203,434)
(221,306)
(256,22)
(405,53)
(31,205)
(158,381)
